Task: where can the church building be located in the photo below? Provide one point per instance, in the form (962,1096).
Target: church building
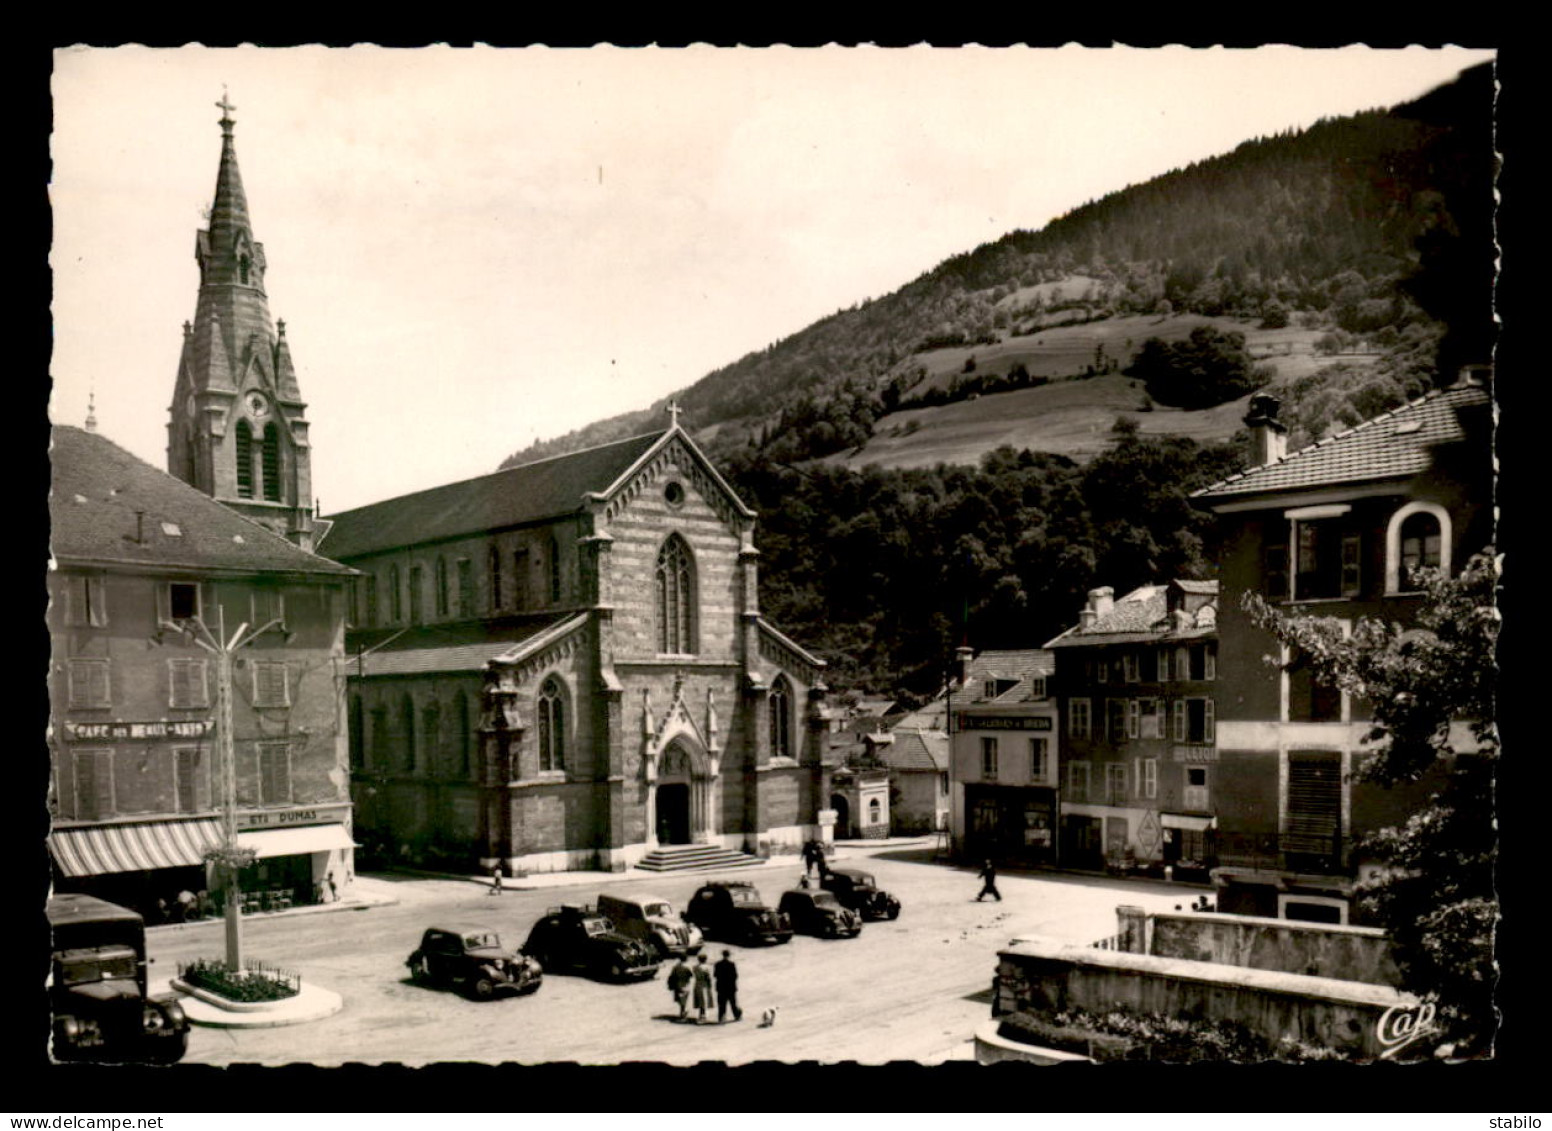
(563,665)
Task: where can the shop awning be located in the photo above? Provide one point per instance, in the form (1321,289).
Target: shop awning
(133,848)
(1190,823)
(295,842)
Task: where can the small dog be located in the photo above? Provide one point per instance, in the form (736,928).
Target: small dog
(768,1018)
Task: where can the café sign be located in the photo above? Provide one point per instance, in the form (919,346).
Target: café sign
(268,819)
(113,732)
(996,722)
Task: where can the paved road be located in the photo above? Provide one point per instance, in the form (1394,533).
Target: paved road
(912,989)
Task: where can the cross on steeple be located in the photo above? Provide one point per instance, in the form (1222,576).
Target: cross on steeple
(226,107)
(673,414)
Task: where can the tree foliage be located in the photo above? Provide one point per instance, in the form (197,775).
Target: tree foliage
(1207,368)
(1433,889)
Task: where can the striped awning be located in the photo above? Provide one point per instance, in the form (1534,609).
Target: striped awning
(103,849)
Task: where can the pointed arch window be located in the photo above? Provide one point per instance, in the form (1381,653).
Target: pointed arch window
(272,462)
(675,598)
(407,734)
(431,737)
(244,453)
(242,267)
(552,726)
(781,718)
(465,735)
(555,577)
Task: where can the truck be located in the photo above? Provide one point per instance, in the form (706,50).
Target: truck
(98,987)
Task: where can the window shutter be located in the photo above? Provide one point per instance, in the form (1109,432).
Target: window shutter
(1351,572)
(1151,782)
(1210,661)
(1133,718)
(1208,721)
(89,684)
(1178,711)
(270,684)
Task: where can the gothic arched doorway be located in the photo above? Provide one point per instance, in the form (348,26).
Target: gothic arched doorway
(673,813)
(681,798)
(842,816)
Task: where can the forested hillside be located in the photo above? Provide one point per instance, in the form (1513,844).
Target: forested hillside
(1346,267)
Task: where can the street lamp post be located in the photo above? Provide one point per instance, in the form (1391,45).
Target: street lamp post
(230,856)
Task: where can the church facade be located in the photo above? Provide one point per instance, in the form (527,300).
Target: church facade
(563,665)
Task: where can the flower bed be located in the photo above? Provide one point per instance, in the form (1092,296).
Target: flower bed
(256,983)
(1151,1036)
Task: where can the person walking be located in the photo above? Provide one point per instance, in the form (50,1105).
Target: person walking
(679,979)
(702,989)
(988,878)
(727,988)
(495,880)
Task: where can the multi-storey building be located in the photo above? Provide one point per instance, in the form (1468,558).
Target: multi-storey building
(136,784)
(1335,529)
(1138,692)
(1004,760)
(563,665)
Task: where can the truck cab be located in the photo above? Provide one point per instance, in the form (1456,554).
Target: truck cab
(98,987)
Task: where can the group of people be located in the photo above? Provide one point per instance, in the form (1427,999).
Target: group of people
(685,981)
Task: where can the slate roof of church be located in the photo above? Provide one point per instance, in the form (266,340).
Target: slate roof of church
(448,648)
(510,497)
(1393,445)
(106,505)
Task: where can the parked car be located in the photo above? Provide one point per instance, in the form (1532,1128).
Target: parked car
(577,938)
(733,911)
(856,890)
(652,920)
(473,961)
(820,913)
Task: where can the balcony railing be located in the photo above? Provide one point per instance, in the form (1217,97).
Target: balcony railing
(1291,852)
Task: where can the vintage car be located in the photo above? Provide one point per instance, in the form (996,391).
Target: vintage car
(572,937)
(819,913)
(473,961)
(855,889)
(732,910)
(652,920)
(98,987)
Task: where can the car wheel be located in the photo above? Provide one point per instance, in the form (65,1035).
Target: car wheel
(894,913)
(483,989)
(420,971)
(617,970)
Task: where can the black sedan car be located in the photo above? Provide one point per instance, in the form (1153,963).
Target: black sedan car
(732,911)
(820,913)
(473,961)
(855,889)
(580,939)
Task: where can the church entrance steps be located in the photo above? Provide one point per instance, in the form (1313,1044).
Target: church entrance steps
(694,858)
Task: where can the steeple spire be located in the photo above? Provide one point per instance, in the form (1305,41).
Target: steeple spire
(237,428)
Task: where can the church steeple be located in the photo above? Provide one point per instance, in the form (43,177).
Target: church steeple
(237,428)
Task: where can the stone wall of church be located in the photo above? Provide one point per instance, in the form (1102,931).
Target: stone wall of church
(639,531)
(523,582)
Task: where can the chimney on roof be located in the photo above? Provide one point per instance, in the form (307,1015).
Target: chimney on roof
(1101,601)
(964,654)
(1268,435)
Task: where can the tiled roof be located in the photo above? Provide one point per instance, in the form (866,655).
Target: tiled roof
(515,495)
(463,648)
(1014,667)
(916,750)
(1394,445)
(106,505)
(1143,614)
(931,716)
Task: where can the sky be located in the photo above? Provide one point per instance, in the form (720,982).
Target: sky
(477,248)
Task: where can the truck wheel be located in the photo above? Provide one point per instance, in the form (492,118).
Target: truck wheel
(169,1050)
